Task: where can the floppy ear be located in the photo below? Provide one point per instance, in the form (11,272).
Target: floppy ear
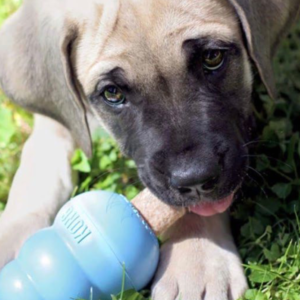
(35,66)
(264,23)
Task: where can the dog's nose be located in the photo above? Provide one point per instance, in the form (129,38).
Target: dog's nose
(187,180)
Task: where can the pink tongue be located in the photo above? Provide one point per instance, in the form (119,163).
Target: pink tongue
(207,209)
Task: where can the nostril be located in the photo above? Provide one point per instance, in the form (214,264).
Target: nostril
(184,190)
(186,184)
(209,185)
(195,179)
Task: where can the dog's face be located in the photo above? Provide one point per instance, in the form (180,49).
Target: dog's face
(173,85)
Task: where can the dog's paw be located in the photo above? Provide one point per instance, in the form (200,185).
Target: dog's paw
(202,266)
(13,234)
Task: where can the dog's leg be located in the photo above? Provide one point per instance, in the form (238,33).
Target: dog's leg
(199,261)
(41,185)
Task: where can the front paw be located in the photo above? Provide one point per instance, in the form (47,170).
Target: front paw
(203,266)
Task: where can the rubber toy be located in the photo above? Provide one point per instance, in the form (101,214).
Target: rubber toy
(98,239)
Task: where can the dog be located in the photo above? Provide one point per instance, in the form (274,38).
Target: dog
(171,81)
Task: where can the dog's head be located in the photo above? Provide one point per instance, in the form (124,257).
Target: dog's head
(173,84)
(171,80)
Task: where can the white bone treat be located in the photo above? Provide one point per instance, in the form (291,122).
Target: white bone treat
(159,215)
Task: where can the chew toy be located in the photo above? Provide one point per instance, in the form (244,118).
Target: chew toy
(97,239)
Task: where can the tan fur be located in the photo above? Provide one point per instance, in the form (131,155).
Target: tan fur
(154,32)
(199,261)
(144,37)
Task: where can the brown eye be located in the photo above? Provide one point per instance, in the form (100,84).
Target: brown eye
(213,59)
(113,96)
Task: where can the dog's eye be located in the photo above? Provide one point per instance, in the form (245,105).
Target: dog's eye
(213,59)
(113,96)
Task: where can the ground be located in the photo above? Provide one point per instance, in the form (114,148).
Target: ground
(265,216)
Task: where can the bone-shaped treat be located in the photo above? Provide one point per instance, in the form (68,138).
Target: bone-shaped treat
(159,215)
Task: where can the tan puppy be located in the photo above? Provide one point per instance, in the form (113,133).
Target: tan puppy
(171,81)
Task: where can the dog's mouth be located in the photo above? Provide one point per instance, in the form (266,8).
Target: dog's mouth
(203,204)
(207,199)
(208,209)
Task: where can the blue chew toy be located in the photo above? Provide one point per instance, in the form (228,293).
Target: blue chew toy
(95,237)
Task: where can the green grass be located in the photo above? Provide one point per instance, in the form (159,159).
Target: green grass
(7,7)
(266,216)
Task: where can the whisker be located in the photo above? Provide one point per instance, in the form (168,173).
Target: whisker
(258,173)
(261,188)
(260,141)
(271,158)
(250,143)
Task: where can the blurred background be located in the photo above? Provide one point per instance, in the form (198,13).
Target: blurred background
(265,217)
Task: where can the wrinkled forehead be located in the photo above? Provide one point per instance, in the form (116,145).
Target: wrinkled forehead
(146,37)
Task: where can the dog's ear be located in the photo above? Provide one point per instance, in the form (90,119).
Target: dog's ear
(264,23)
(35,65)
